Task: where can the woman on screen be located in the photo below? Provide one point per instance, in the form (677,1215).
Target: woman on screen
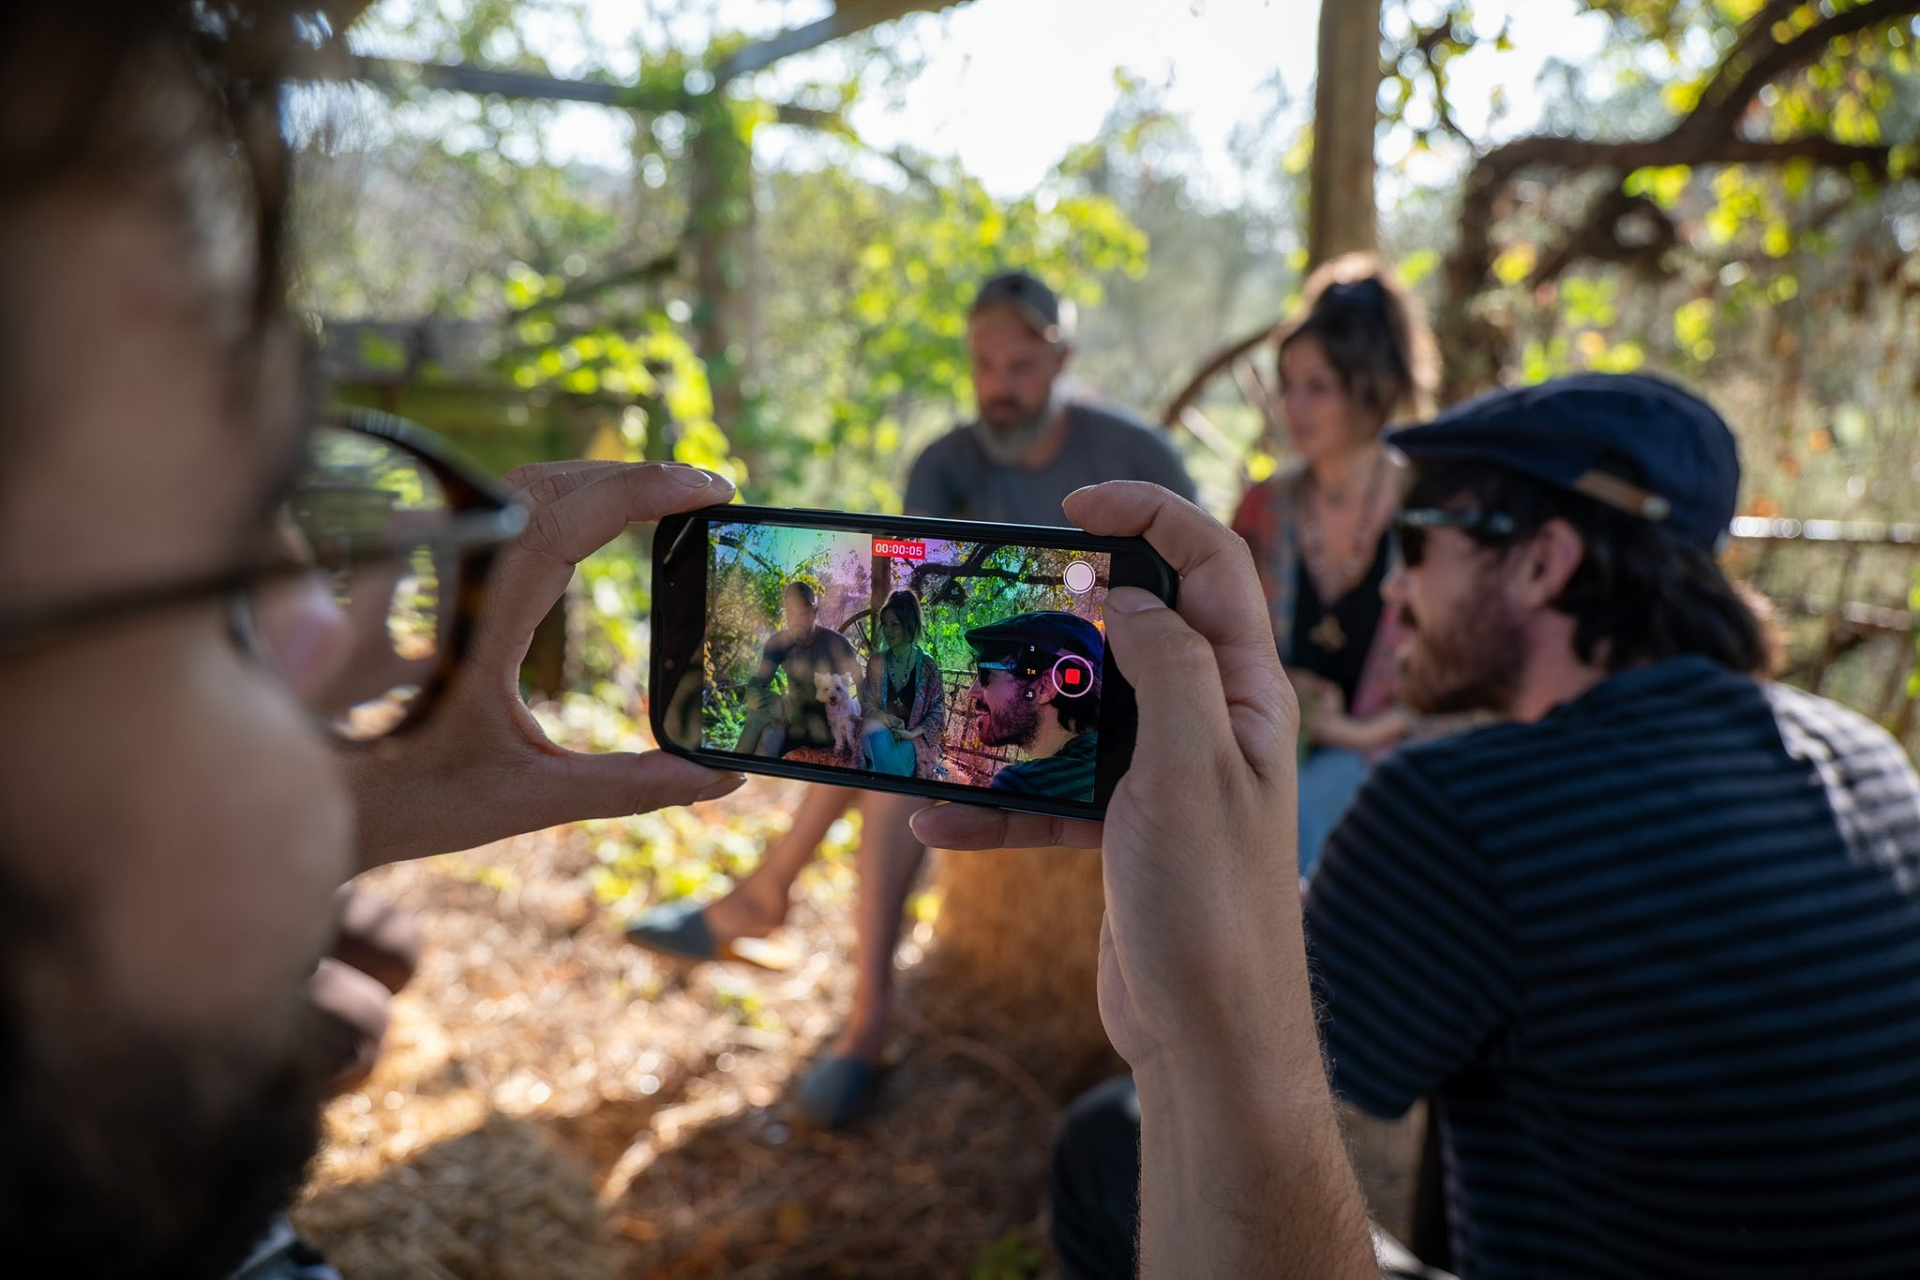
(904,697)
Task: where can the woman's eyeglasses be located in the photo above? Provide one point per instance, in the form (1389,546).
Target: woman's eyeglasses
(401,534)
(1413,523)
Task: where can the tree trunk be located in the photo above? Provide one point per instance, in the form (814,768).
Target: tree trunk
(1340,208)
(719,243)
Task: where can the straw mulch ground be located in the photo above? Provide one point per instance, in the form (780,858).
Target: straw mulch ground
(554,1103)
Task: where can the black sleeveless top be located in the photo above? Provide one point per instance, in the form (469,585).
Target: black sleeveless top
(900,700)
(1332,641)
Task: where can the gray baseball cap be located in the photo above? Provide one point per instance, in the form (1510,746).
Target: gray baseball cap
(1043,311)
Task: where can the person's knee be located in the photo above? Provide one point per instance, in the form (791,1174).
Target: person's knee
(1094,1184)
(1100,1124)
(1096,1153)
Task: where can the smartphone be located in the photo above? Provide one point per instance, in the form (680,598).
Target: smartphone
(941,658)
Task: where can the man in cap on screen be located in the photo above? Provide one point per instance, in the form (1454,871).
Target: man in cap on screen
(1038,689)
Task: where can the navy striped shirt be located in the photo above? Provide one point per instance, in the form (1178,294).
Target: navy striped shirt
(1657,959)
(1067,774)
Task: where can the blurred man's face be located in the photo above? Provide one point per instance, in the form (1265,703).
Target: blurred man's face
(172,825)
(799,615)
(1009,715)
(1013,372)
(1469,645)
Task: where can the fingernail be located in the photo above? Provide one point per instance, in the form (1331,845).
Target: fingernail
(1133,600)
(692,477)
(726,786)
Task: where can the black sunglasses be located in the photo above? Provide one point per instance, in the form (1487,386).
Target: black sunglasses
(1412,524)
(402,534)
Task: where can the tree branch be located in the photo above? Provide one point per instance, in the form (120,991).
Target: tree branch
(1723,103)
(461,77)
(1218,361)
(1598,238)
(835,123)
(1707,135)
(1427,44)
(664,264)
(1749,44)
(847,18)
(1676,147)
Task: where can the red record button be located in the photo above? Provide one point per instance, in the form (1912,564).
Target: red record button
(1073,675)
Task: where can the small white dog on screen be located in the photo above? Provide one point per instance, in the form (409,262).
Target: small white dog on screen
(842,701)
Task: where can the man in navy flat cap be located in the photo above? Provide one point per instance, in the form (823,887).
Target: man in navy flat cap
(1650,948)
(1037,687)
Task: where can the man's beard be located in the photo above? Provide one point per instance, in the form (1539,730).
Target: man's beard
(148,1154)
(1463,663)
(1018,727)
(1007,443)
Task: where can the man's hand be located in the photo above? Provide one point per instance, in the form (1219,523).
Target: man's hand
(481,768)
(1199,833)
(1203,983)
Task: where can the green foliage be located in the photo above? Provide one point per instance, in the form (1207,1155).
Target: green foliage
(1011,1257)
(1913,608)
(866,314)
(673,853)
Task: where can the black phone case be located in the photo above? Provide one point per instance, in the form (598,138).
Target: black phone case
(679,616)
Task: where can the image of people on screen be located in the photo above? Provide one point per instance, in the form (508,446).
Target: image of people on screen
(960,661)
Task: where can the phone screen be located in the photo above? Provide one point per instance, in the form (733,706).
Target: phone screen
(971,662)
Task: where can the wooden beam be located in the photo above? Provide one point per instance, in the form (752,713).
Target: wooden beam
(461,77)
(847,18)
(531,86)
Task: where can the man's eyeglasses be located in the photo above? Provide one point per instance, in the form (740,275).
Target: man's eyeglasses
(402,535)
(1413,523)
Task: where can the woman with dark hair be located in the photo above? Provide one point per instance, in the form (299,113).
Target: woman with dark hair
(1361,356)
(903,695)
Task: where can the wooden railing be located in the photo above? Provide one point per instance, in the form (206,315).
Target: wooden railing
(1842,590)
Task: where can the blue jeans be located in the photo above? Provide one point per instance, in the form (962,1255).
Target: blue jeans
(1328,778)
(881,752)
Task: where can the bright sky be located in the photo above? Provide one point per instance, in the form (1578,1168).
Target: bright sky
(1012,85)
(1022,81)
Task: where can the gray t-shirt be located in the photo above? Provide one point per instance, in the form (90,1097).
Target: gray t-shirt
(955,479)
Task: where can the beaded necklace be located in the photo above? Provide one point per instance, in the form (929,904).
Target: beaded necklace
(1328,633)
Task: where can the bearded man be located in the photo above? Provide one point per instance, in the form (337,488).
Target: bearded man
(1023,702)
(1031,445)
(1650,948)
